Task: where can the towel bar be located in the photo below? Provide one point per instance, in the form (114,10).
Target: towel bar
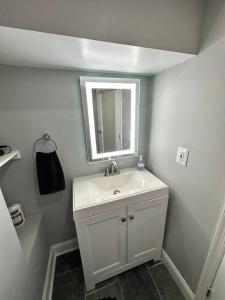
(45,138)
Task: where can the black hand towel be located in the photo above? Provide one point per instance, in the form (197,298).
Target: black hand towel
(49,173)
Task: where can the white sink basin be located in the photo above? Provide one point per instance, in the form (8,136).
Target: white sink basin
(91,192)
(125,182)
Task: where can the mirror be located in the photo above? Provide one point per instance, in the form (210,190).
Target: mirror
(111,110)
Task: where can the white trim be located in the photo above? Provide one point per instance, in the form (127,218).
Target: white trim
(213,260)
(49,276)
(65,247)
(177,277)
(56,250)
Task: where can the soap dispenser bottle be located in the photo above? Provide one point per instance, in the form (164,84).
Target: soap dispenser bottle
(140,164)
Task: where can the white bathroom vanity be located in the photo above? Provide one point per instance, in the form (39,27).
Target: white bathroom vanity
(118,231)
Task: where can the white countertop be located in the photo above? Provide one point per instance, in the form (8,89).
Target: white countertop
(93,194)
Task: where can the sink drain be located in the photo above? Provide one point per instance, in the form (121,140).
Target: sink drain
(116,192)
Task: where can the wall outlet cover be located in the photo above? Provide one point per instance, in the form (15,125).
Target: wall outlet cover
(182,156)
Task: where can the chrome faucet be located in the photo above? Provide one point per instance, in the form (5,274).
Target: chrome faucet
(113,169)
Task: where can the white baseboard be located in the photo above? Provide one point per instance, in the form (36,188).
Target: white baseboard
(177,277)
(65,247)
(55,251)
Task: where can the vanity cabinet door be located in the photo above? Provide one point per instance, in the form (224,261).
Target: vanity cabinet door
(102,242)
(145,230)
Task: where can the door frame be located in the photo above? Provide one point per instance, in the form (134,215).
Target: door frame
(118,120)
(213,260)
(100,129)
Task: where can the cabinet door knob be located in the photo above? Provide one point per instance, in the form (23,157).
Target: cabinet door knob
(131,217)
(123,219)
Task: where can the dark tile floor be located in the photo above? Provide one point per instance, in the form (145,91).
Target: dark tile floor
(146,282)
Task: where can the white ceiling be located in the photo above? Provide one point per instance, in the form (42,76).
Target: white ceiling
(37,49)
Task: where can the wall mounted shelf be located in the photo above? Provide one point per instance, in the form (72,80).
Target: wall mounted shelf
(15,154)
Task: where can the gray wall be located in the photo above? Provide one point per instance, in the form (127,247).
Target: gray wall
(188,109)
(35,101)
(21,278)
(169,25)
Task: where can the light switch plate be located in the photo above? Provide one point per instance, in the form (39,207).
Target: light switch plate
(182,156)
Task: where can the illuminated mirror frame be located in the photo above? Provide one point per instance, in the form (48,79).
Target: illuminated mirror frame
(89,83)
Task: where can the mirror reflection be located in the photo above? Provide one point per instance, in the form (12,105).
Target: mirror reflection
(112,118)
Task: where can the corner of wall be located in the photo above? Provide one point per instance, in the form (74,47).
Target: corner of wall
(148,120)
